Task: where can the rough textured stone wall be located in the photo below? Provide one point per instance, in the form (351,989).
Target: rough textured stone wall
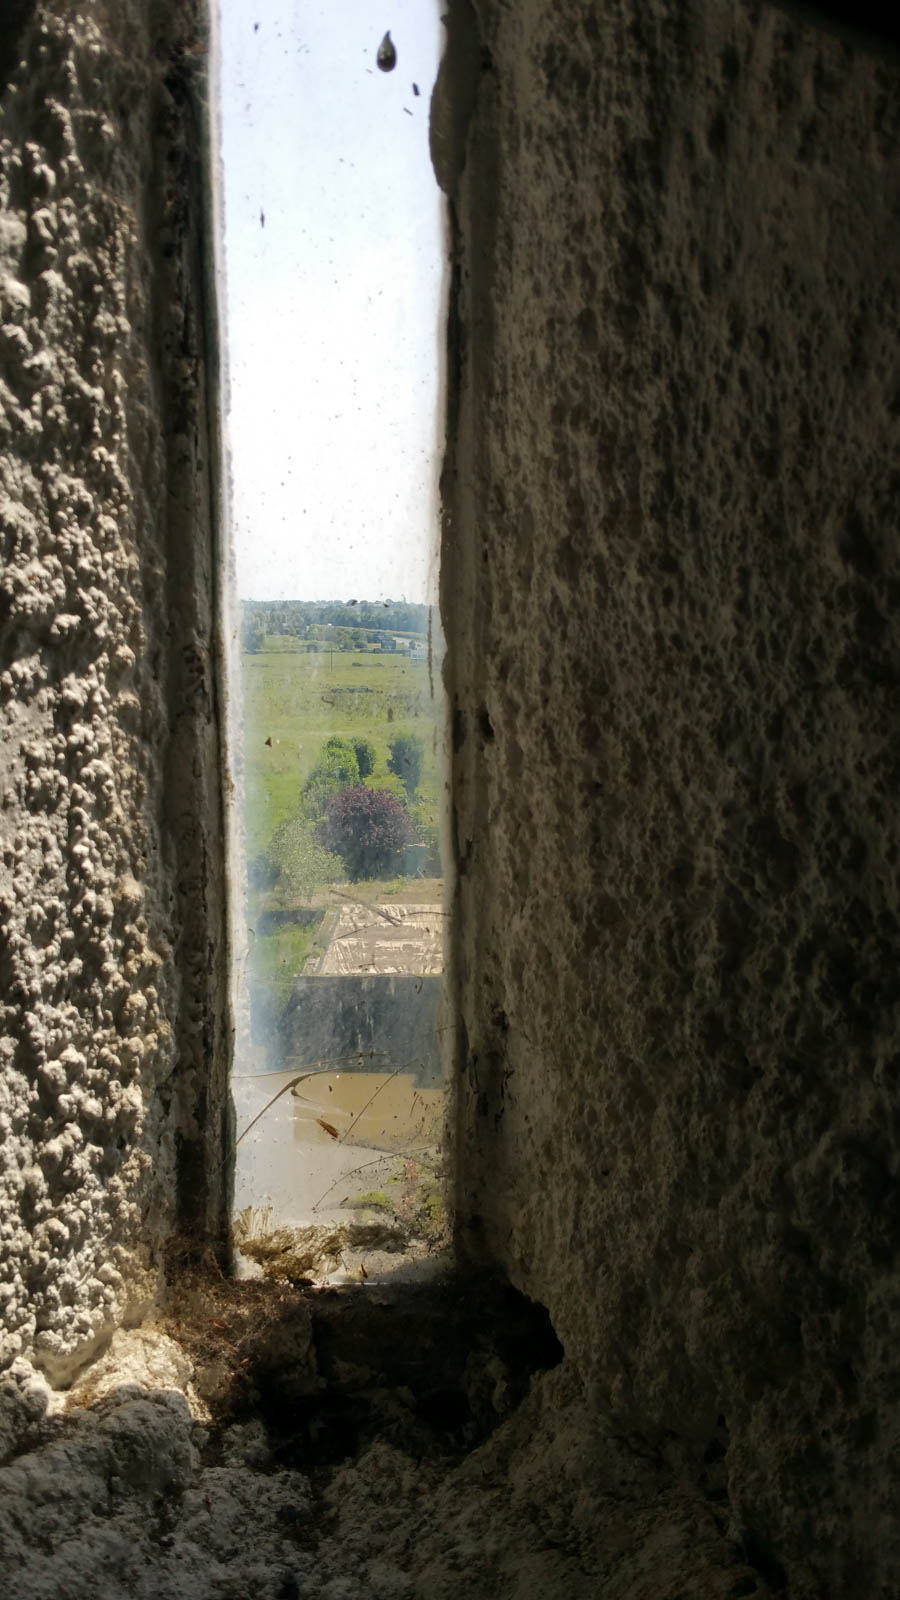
(112,1027)
(672,573)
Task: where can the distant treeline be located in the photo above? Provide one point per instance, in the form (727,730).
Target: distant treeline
(297,616)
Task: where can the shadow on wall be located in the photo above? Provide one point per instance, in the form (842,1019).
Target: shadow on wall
(860,22)
(17,15)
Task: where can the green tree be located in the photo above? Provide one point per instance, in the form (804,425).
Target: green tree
(365,756)
(407,759)
(301,859)
(368,829)
(336,768)
(342,756)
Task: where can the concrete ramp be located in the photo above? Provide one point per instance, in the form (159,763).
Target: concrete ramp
(363,940)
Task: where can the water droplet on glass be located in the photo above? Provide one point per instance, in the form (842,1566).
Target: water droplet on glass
(387,55)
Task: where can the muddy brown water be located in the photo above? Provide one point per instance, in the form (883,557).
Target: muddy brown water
(336,1137)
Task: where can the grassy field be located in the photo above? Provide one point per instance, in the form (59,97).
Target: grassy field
(292,702)
(277,957)
(298,700)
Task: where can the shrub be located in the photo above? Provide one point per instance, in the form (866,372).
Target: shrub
(407,759)
(340,754)
(337,768)
(429,838)
(301,859)
(365,756)
(368,829)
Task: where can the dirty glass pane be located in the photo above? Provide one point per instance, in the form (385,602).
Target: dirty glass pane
(332,277)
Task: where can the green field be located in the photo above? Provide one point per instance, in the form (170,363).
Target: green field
(298,700)
(293,700)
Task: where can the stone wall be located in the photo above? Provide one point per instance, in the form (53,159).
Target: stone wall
(114,1022)
(393,1020)
(671,579)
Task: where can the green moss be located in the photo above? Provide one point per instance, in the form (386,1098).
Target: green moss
(374,1201)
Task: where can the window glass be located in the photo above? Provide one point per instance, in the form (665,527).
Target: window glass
(332,253)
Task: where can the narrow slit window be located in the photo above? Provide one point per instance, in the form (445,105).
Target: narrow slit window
(332,252)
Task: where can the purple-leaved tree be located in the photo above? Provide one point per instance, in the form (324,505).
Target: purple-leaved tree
(368,829)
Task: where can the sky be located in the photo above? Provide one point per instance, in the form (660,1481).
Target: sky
(334,256)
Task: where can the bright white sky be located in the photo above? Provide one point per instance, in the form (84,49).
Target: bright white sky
(334,300)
